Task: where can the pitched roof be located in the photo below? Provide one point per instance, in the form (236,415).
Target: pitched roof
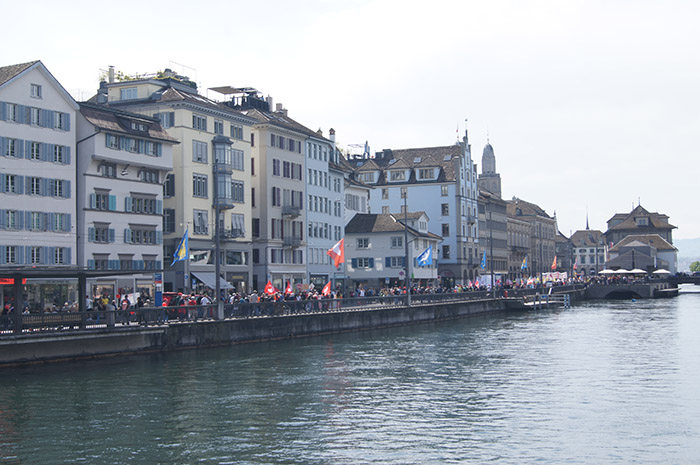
(363,223)
(282,120)
(526,208)
(638,240)
(113,120)
(9,72)
(586,237)
(656,220)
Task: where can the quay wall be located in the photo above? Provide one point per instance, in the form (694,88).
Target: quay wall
(79,344)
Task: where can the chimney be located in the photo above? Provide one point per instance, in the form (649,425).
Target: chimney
(110,74)
(279,108)
(331,135)
(268,99)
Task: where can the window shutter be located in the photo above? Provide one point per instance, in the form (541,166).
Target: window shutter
(3,254)
(28,219)
(3,111)
(387,262)
(67,225)
(67,258)
(2,182)
(2,219)
(93,201)
(66,158)
(28,254)
(128,204)
(127,236)
(28,149)
(66,189)
(112,203)
(91,264)
(111,235)
(20,220)
(91,234)
(52,221)
(44,151)
(21,255)
(19,148)
(159,237)
(51,259)
(20,183)
(371,262)
(44,187)
(159,207)
(66,119)
(354,263)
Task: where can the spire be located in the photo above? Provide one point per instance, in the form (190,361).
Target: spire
(587,228)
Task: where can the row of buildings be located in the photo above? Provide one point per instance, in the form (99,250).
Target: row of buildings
(112,185)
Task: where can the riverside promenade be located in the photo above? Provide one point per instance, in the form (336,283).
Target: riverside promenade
(36,338)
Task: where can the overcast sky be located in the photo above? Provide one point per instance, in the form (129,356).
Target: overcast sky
(589,105)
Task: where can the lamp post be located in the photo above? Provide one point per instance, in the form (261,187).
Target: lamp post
(493,284)
(404,194)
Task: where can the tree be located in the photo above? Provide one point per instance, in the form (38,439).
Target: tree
(695,266)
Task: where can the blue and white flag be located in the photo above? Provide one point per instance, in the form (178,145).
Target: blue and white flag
(183,250)
(426,258)
(524,264)
(483,260)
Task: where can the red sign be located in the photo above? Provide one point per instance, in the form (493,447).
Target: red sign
(11,281)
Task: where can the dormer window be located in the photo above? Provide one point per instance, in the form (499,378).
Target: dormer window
(397,175)
(138,126)
(128,93)
(642,221)
(426,173)
(367,177)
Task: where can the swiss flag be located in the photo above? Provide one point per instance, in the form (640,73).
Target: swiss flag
(270,289)
(337,252)
(289,288)
(554,263)
(326,289)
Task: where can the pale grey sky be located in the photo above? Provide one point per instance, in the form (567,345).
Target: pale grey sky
(588,104)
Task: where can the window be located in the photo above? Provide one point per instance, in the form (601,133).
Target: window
(201,222)
(199,151)
(443,190)
(59,153)
(35,221)
(397,175)
(112,141)
(445,251)
(199,122)
(153,148)
(11,184)
(237,225)
(252,197)
(59,188)
(276,198)
(149,206)
(12,113)
(286,170)
(237,160)
(236,132)
(167,120)
(363,262)
(237,191)
(10,147)
(108,170)
(275,167)
(252,140)
(168,220)
(150,176)
(11,254)
(101,233)
(385,194)
(199,185)
(128,93)
(101,201)
(11,219)
(218,127)
(445,209)
(35,186)
(169,186)
(445,229)
(35,116)
(35,151)
(396,262)
(35,90)
(426,173)
(396,241)
(59,257)
(35,255)
(363,243)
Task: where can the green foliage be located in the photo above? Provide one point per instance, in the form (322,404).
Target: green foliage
(695,266)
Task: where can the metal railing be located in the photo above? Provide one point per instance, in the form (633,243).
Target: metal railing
(158,316)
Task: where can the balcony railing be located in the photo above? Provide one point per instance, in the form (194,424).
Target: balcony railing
(291,210)
(291,241)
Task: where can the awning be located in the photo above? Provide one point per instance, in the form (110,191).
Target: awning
(209,280)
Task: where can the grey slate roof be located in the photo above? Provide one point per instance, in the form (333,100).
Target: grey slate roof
(363,223)
(656,220)
(635,240)
(113,120)
(8,72)
(283,121)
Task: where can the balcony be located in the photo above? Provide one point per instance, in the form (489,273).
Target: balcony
(291,211)
(291,241)
(224,203)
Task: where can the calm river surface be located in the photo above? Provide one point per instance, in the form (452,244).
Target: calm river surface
(600,383)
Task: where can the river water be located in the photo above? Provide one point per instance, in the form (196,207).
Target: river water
(601,383)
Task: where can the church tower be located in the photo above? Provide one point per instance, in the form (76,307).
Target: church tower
(489,180)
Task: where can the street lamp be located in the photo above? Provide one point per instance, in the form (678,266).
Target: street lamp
(404,194)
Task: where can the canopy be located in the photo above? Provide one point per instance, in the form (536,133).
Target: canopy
(209,280)
(606,271)
(661,271)
(638,271)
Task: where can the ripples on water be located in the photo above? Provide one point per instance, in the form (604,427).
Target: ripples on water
(603,382)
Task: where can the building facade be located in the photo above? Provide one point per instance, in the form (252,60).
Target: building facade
(493,238)
(589,250)
(543,229)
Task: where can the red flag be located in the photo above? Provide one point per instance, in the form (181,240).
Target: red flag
(554,263)
(337,253)
(575,265)
(270,289)
(476,283)
(326,289)
(289,288)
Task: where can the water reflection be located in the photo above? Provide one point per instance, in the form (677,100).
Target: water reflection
(605,382)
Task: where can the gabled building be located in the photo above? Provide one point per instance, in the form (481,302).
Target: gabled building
(648,252)
(493,237)
(543,229)
(564,251)
(440,181)
(376,250)
(37,169)
(211,177)
(638,221)
(589,251)
(123,160)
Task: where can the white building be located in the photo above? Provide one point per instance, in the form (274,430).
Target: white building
(37,168)
(375,250)
(442,182)
(123,160)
